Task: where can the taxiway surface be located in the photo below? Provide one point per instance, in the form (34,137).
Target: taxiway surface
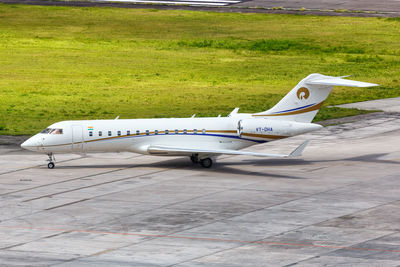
(338,204)
(348,5)
(362,8)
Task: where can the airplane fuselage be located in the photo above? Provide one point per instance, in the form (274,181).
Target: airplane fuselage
(136,135)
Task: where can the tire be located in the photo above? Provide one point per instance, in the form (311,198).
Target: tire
(206,163)
(50,165)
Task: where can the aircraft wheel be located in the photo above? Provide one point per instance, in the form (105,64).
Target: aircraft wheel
(206,163)
(50,165)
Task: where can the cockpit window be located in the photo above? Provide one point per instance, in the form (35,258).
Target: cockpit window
(52,131)
(45,131)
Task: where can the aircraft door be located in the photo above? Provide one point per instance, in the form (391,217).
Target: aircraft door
(77,138)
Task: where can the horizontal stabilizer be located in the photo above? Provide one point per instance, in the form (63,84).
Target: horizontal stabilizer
(299,150)
(337,81)
(187,151)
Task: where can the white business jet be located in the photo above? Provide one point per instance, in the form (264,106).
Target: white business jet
(198,138)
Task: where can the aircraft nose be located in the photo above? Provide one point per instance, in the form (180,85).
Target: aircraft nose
(30,144)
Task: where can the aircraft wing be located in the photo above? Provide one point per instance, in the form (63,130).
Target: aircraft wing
(169,150)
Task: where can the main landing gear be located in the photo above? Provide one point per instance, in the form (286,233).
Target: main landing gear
(205,163)
(51,164)
(194,158)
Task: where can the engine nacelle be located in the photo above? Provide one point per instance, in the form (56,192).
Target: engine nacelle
(265,127)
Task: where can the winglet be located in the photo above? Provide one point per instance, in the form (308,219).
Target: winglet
(299,150)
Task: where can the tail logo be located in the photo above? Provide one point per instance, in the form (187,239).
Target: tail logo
(303,93)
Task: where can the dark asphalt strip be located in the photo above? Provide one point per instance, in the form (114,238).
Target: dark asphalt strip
(229,8)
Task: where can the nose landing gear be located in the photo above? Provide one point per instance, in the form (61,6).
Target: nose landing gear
(51,164)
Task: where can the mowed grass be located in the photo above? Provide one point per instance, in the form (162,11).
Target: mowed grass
(61,63)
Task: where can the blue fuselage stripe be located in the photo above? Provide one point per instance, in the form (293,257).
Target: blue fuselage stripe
(199,134)
(293,109)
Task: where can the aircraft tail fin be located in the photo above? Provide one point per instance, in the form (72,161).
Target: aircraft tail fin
(303,102)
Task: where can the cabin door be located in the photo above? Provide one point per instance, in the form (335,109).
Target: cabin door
(77,138)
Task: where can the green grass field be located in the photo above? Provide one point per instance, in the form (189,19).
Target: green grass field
(61,63)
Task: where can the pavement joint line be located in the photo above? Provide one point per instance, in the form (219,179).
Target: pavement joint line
(303,260)
(69,203)
(64,181)
(201,238)
(206,255)
(362,210)
(34,240)
(325,254)
(104,251)
(59,182)
(94,254)
(15,245)
(33,167)
(93,185)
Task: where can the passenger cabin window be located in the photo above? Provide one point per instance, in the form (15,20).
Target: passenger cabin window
(194,131)
(184,131)
(128,132)
(203,131)
(137,132)
(176,131)
(156,132)
(166,132)
(119,133)
(90,133)
(147,132)
(100,133)
(109,133)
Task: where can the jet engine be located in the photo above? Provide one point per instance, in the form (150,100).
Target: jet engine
(265,127)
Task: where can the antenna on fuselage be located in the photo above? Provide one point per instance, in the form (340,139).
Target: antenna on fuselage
(117,118)
(194,115)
